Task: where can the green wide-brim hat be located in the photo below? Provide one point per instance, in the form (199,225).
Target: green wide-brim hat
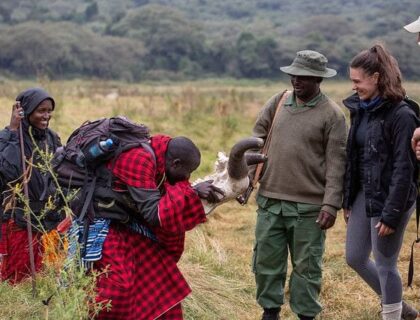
(309,63)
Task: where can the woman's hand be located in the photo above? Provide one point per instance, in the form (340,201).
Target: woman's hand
(17,116)
(384,230)
(346,215)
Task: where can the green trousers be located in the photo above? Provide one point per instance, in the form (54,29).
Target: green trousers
(278,233)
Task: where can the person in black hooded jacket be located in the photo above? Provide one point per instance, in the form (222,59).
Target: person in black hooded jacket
(32,110)
(380,179)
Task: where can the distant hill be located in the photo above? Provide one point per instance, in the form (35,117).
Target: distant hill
(175,39)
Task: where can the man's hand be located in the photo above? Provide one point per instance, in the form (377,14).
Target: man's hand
(346,215)
(415,143)
(383,229)
(209,192)
(325,220)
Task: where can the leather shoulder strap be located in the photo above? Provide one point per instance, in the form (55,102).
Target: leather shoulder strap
(266,146)
(280,105)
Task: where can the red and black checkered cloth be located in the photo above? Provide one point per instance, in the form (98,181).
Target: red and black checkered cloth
(144,281)
(14,245)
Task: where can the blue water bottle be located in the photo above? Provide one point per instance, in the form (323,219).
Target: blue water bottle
(94,152)
(99,149)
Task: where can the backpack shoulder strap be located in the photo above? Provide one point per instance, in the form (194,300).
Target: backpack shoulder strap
(87,199)
(410,275)
(149,148)
(144,144)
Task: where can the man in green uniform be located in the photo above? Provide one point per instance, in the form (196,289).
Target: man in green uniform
(301,188)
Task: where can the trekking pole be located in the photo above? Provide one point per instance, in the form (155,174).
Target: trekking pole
(28,218)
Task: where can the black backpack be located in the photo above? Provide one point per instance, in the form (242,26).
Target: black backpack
(414,106)
(81,165)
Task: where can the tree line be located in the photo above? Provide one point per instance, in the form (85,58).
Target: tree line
(140,40)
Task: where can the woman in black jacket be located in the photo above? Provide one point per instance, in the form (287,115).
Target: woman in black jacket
(32,111)
(380,181)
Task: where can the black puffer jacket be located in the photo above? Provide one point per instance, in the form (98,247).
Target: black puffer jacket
(389,166)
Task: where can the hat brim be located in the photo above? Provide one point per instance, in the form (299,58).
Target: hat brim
(413,27)
(299,71)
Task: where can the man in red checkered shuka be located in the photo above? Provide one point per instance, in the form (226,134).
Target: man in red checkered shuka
(143,280)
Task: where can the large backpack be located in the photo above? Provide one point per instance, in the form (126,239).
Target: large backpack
(77,169)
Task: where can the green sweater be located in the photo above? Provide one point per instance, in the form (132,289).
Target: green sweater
(306,156)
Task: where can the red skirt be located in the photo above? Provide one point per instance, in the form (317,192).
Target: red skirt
(142,282)
(14,246)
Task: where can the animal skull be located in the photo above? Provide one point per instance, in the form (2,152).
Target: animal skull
(231,173)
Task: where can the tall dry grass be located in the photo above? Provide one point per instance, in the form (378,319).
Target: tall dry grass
(217,260)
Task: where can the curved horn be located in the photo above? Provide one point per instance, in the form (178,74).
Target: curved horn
(252,158)
(237,166)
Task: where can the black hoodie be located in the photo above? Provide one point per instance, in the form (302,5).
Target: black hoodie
(40,185)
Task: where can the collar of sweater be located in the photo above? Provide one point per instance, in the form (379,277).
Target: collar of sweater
(292,105)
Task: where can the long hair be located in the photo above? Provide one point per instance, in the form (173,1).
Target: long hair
(378,59)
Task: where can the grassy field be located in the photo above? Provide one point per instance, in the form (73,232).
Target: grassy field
(217,260)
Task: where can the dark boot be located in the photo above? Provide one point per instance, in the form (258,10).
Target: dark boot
(271,314)
(408,312)
(302,317)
